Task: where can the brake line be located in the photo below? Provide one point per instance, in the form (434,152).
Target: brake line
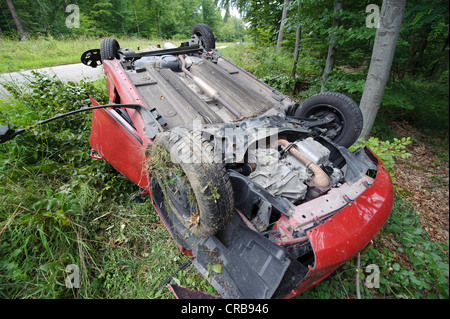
(6,133)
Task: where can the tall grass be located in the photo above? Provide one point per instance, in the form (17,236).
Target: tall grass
(46,52)
(58,207)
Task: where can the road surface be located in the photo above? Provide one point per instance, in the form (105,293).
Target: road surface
(69,72)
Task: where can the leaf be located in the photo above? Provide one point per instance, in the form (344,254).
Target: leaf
(51,203)
(217,268)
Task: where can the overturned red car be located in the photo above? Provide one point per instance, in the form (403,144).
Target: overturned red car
(241,175)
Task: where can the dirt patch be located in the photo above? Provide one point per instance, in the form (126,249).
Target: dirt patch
(423,179)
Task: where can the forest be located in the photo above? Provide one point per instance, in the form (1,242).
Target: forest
(422,48)
(141,18)
(57,207)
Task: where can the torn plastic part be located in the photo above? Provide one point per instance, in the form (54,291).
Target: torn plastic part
(252,266)
(309,213)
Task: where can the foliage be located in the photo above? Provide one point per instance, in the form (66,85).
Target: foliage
(138,18)
(60,207)
(50,51)
(386,151)
(231,30)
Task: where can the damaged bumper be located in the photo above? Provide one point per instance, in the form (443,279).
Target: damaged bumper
(307,249)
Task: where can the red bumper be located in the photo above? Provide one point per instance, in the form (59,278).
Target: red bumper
(348,231)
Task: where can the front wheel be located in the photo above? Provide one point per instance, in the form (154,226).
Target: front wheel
(346,117)
(195,186)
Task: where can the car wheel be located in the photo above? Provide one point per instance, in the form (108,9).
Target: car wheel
(205,36)
(347,119)
(109,49)
(195,185)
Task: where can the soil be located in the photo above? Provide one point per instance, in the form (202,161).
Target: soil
(423,179)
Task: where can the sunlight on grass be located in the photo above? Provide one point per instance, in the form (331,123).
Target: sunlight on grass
(45,52)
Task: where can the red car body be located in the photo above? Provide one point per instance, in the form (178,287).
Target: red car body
(334,240)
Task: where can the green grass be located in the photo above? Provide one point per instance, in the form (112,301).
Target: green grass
(46,52)
(59,207)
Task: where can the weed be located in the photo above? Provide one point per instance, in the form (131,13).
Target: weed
(60,208)
(387,151)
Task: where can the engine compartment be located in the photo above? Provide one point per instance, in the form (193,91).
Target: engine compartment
(286,176)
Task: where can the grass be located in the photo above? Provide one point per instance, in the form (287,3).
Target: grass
(59,208)
(46,52)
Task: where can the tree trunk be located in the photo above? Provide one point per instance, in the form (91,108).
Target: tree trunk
(159,23)
(298,36)
(331,57)
(381,61)
(16,20)
(137,23)
(283,18)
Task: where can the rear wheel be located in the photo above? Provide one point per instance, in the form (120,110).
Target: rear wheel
(109,49)
(205,36)
(196,189)
(346,117)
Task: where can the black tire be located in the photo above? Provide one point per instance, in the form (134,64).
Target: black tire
(205,35)
(109,49)
(196,187)
(348,120)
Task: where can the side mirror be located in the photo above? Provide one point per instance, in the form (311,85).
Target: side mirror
(6,133)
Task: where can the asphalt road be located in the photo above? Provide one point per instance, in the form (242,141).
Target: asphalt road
(69,72)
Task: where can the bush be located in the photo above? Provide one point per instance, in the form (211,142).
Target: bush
(386,151)
(60,208)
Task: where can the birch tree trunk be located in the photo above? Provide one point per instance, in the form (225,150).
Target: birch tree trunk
(298,36)
(331,57)
(380,64)
(283,18)
(16,20)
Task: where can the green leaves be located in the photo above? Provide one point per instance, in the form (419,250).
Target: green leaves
(387,151)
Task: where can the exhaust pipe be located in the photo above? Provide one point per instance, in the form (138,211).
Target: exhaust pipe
(208,89)
(320,177)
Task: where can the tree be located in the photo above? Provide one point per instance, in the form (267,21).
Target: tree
(381,61)
(331,57)
(298,35)
(16,20)
(282,23)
